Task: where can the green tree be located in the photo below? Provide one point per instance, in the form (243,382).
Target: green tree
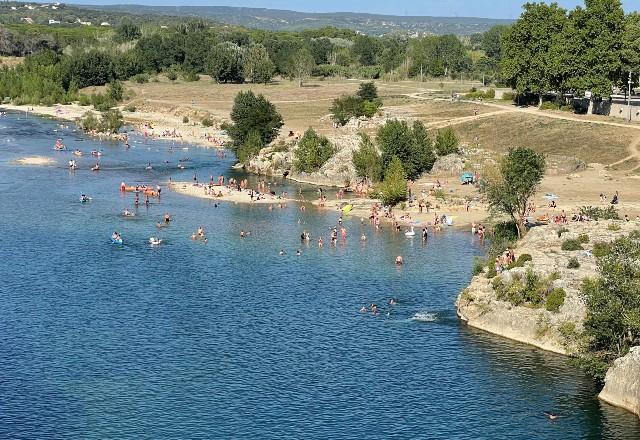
(508,191)
(365,50)
(250,148)
(115,91)
(252,113)
(345,108)
(631,42)
(446,142)
(409,144)
(258,67)
(224,63)
(111,121)
(313,151)
(423,155)
(593,58)
(492,42)
(612,324)
(393,189)
(301,65)
(528,49)
(367,91)
(127,30)
(367,160)
(93,68)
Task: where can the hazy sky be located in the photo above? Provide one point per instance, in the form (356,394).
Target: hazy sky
(468,8)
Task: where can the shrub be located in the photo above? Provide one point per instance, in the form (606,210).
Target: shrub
(612,323)
(185,119)
(596,213)
(394,187)
(101,102)
(573,263)
(522,259)
(601,249)
(583,238)
(189,76)
(172,75)
(207,122)
(446,142)
(111,121)
(115,91)
(508,96)
(528,289)
(89,122)
(571,244)
(562,231)
(313,151)
(140,78)
(130,108)
(613,227)
(555,299)
(491,272)
(366,159)
(478,266)
(84,100)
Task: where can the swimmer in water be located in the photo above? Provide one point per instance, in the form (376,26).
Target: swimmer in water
(399,260)
(282,252)
(298,253)
(363,237)
(392,302)
(320,242)
(364,309)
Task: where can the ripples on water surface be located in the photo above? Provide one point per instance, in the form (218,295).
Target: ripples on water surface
(230,340)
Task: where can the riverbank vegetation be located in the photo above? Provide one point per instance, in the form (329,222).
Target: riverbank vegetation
(612,325)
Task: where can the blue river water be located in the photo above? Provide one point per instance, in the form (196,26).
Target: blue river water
(230,340)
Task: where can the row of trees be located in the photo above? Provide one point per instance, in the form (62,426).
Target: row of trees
(550,49)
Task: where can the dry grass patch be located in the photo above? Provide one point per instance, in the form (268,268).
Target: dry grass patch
(589,142)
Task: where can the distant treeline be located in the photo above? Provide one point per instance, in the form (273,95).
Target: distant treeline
(86,56)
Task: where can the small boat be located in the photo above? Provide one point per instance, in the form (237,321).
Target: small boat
(96,153)
(347,209)
(410,233)
(77,153)
(181,167)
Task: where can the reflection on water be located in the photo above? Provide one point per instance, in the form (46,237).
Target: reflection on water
(231,340)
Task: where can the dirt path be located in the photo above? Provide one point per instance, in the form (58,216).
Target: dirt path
(463,119)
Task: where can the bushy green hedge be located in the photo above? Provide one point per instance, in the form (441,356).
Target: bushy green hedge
(573,263)
(555,299)
(572,244)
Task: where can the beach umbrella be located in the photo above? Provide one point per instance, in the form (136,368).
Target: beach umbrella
(550,196)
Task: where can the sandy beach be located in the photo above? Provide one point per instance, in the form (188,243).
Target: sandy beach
(35,160)
(224,194)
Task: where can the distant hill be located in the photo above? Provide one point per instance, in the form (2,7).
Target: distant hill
(275,19)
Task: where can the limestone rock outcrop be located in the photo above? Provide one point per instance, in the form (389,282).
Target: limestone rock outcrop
(622,383)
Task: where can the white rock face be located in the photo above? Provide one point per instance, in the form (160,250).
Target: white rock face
(479,306)
(338,171)
(622,383)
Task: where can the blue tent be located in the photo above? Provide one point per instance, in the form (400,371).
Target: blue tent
(466,178)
